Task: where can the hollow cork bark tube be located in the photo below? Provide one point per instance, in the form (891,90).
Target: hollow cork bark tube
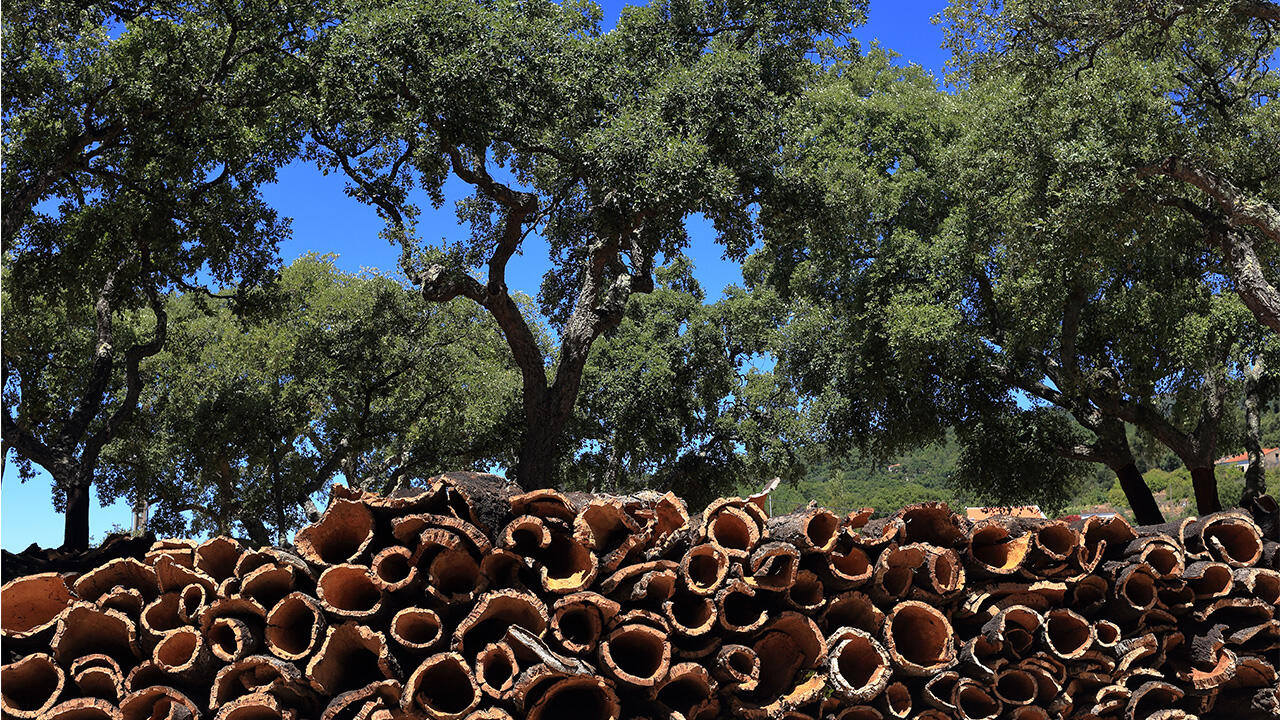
(342,535)
(583,696)
(442,688)
(636,655)
(30,686)
(30,605)
(919,639)
(295,627)
(859,666)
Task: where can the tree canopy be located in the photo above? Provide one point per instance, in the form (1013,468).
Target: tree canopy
(136,137)
(604,143)
(250,410)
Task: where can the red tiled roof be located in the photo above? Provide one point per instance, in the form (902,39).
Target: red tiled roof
(1242,457)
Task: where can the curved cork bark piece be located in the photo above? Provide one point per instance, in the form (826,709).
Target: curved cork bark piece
(972,701)
(268,584)
(812,530)
(173,576)
(737,667)
(84,629)
(184,654)
(789,644)
(545,503)
(341,536)
(604,527)
(806,594)
(182,550)
(688,690)
(846,571)
(994,550)
(578,621)
(121,572)
(217,557)
(566,566)
(896,701)
(932,523)
(895,572)
(442,688)
(690,615)
(773,566)
(1066,634)
(853,609)
(98,676)
(1230,536)
(585,697)
(84,709)
(1151,697)
(938,689)
(704,568)
(496,670)
(295,627)
(256,674)
(636,655)
(259,706)
(859,668)
(351,657)
(158,702)
(1262,583)
(1015,687)
(732,529)
(1159,553)
(1014,627)
(918,639)
(375,700)
(942,573)
(525,535)
(1052,541)
(739,609)
(493,614)
(393,569)
(231,639)
(418,630)
(30,686)
(349,591)
(30,606)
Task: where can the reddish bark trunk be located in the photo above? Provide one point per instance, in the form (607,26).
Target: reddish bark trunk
(1205,484)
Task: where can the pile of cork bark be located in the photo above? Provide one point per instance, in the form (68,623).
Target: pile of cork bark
(470,599)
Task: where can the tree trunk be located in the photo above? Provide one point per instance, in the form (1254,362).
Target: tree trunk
(1255,476)
(1136,491)
(538,463)
(1205,484)
(75,534)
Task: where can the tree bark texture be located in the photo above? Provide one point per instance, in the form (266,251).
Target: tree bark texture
(1136,491)
(1205,485)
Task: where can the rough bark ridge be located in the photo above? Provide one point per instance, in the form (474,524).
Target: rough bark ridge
(471,599)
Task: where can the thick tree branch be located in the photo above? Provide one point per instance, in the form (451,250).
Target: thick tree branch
(1238,209)
(133,379)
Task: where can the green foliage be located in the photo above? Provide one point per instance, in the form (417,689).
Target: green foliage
(671,399)
(136,137)
(252,410)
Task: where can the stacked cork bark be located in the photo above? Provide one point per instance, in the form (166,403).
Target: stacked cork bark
(469,599)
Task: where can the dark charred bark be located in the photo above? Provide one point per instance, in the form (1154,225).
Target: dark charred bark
(75,534)
(1136,491)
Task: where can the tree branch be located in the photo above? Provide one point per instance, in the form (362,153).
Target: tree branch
(1238,209)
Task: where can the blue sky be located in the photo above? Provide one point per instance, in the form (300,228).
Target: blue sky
(326,220)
